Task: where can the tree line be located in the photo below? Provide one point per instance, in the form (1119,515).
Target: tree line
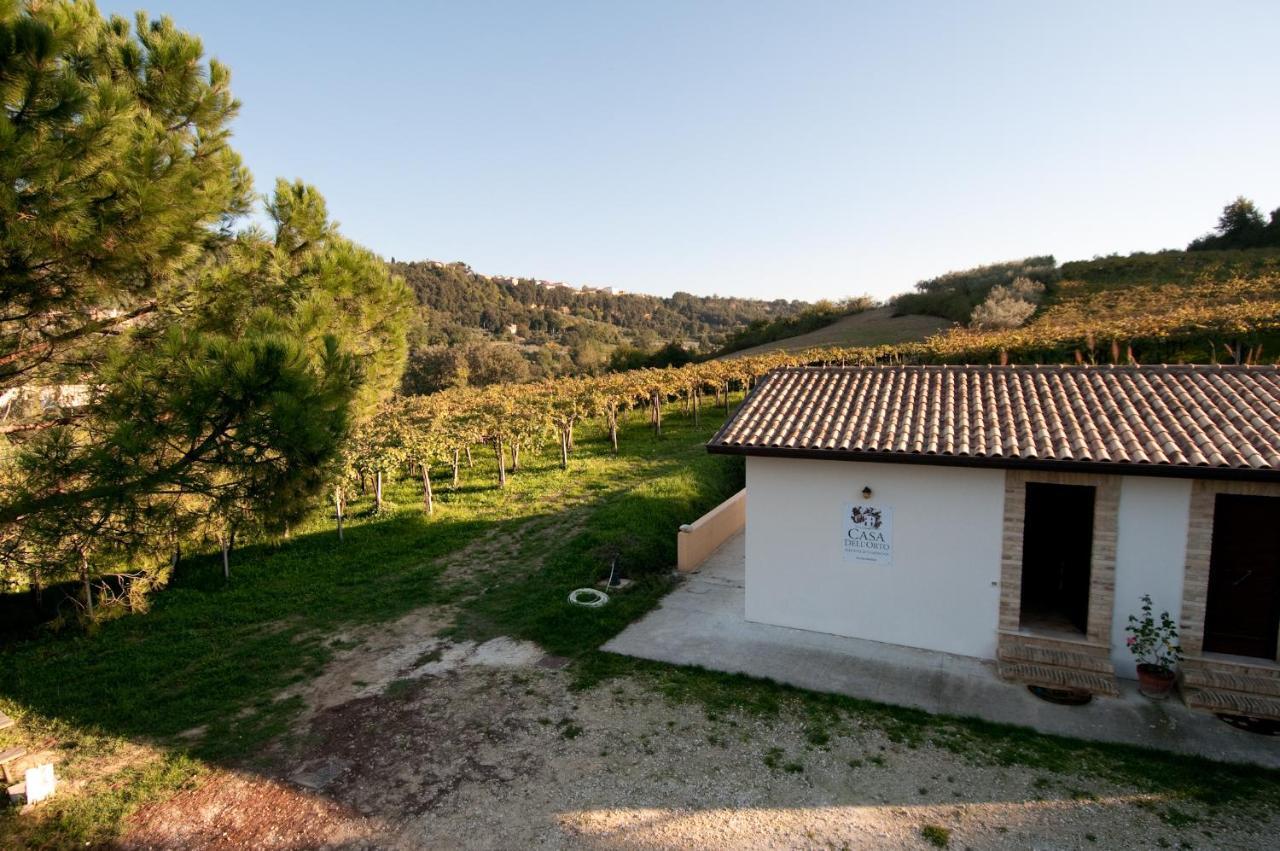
(458,304)
(1241,225)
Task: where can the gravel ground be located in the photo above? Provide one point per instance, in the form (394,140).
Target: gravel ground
(483,747)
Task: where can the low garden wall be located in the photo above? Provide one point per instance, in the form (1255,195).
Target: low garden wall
(701,538)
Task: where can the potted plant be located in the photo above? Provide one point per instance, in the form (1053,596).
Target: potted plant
(1154,643)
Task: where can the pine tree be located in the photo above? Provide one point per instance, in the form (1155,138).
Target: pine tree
(226,366)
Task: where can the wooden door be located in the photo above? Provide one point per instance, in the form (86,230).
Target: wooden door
(1242,615)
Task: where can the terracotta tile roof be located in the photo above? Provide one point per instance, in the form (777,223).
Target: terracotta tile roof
(1161,420)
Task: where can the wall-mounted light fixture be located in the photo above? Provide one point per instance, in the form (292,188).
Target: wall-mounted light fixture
(866,492)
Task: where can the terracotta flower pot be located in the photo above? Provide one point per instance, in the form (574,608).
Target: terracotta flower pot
(1154,681)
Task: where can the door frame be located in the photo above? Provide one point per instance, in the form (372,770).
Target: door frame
(1102,568)
(1195,589)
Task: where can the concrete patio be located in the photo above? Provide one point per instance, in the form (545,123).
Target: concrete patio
(702,623)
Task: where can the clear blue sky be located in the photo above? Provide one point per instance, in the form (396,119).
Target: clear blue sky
(788,149)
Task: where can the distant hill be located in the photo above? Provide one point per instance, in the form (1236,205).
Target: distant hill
(460,304)
(876,327)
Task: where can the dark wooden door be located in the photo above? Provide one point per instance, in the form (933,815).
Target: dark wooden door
(1057,554)
(1242,616)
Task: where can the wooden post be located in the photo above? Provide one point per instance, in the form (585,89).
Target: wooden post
(502,467)
(84,576)
(455,468)
(426,490)
(337,504)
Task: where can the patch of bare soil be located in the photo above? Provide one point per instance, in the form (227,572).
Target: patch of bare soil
(492,553)
(233,811)
(368,658)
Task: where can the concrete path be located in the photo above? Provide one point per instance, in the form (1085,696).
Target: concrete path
(702,623)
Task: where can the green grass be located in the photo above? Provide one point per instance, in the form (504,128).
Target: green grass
(97,813)
(214,654)
(938,837)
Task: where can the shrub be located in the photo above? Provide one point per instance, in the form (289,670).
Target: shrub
(1154,641)
(938,837)
(1008,306)
(955,294)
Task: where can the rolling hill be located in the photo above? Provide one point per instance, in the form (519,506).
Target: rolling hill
(875,327)
(1170,306)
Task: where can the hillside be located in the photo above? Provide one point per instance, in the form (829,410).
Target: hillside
(1171,306)
(955,295)
(460,304)
(876,327)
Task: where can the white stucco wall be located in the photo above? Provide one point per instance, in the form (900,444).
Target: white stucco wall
(1151,550)
(940,593)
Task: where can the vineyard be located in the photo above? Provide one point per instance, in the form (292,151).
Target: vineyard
(1206,320)
(1169,307)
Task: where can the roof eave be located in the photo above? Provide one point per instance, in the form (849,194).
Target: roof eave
(1171,471)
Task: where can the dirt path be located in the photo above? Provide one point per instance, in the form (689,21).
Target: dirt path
(412,742)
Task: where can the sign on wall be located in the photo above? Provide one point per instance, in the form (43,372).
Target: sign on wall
(868,533)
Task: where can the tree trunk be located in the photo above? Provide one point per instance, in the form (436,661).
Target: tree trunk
(612,415)
(377,492)
(455,468)
(564,449)
(726,398)
(657,414)
(470,463)
(225,541)
(569,437)
(697,404)
(515,457)
(426,491)
(502,467)
(337,506)
(84,577)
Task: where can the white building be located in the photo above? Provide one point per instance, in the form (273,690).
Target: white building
(1019,513)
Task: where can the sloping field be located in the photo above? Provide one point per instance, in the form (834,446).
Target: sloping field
(1171,306)
(1168,307)
(877,327)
